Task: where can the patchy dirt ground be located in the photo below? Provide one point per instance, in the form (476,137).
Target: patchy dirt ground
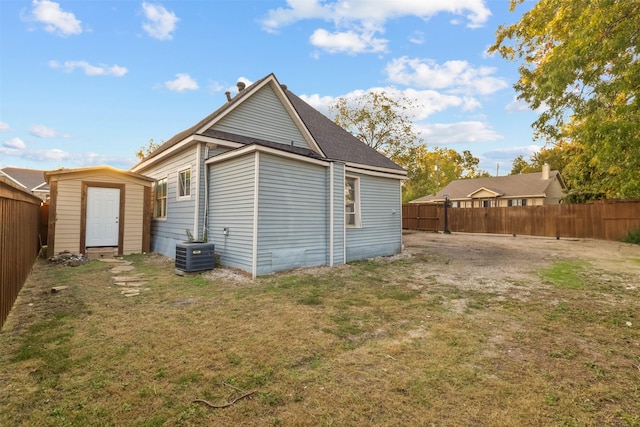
(497,262)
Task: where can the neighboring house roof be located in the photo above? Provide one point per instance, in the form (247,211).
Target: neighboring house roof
(509,186)
(332,141)
(31,179)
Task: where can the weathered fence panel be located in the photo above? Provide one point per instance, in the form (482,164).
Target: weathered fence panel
(19,230)
(608,220)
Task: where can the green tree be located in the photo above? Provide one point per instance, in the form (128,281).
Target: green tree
(145,150)
(520,165)
(380,121)
(430,171)
(580,64)
(557,156)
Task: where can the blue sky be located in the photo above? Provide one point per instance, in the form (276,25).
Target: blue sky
(89,82)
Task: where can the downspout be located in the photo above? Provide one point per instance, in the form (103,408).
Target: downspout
(344,217)
(197,176)
(331,220)
(256,186)
(205,217)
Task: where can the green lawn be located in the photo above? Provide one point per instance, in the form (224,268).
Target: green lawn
(371,343)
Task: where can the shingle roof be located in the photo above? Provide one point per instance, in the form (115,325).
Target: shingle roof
(28,178)
(526,184)
(335,142)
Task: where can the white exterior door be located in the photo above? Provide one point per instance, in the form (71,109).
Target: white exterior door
(103,211)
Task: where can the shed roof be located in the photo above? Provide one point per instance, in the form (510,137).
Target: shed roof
(93,169)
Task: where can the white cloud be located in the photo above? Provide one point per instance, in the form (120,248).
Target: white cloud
(89,69)
(42,131)
(55,20)
(372,11)
(417,37)
(350,42)
(181,83)
(425,102)
(160,23)
(15,143)
(4,127)
(459,132)
(58,157)
(357,21)
(453,76)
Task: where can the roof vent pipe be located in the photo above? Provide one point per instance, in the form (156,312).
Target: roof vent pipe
(284,87)
(241,86)
(228,95)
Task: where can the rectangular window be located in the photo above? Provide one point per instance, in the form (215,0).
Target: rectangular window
(352,202)
(160,199)
(517,202)
(184,183)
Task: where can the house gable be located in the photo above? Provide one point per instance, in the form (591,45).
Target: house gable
(262,116)
(483,192)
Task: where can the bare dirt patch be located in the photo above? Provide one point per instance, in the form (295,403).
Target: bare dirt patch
(502,263)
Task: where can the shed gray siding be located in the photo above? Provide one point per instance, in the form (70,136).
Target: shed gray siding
(231,206)
(249,119)
(381,213)
(165,233)
(293,214)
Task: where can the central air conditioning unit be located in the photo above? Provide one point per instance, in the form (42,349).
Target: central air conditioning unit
(194,256)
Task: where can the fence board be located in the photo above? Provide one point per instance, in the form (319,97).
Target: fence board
(19,229)
(608,220)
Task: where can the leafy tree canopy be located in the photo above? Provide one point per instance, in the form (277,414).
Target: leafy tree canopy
(145,150)
(430,170)
(580,64)
(379,120)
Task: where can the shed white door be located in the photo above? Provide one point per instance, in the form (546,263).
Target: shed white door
(103,211)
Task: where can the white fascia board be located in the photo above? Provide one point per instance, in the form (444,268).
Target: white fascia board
(12,179)
(261,149)
(180,145)
(375,171)
(470,195)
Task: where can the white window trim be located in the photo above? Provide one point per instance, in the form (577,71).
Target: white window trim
(178,181)
(155,199)
(356,203)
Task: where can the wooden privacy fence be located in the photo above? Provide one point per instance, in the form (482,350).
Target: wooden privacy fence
(608,220)
(19,229)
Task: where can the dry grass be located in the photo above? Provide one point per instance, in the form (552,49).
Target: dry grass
(371,343)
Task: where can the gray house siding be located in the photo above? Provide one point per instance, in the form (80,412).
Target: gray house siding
(381,213)
(338,213)
(180,213)
(231,206)
(249,119)
(292,219)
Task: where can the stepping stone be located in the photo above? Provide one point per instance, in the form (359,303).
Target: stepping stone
(129,278)
(121,269)
(111,260)
(135,284)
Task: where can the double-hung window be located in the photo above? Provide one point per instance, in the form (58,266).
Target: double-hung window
(160,199)
(352,202)
(184,184)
